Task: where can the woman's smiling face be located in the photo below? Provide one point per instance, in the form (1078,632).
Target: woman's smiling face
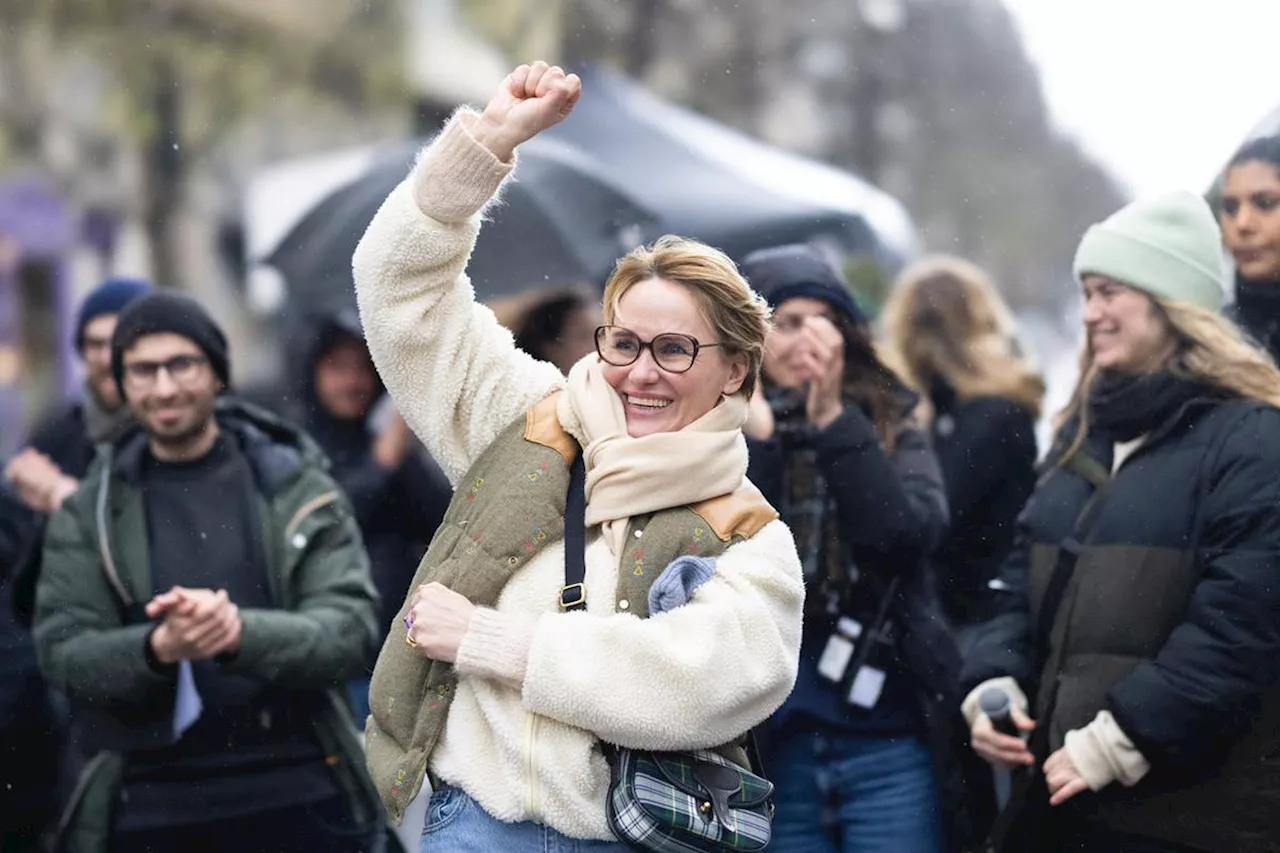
(656,400)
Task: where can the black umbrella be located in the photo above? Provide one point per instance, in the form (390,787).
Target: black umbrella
(562,220)
(713,183)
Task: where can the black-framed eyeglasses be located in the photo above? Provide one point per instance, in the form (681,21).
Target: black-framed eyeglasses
(182,369)
(672,351)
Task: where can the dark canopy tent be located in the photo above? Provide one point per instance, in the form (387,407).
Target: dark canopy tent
(711,182)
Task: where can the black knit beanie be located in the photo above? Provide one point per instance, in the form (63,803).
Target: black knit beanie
(785,272)
(110,297)
(166,311)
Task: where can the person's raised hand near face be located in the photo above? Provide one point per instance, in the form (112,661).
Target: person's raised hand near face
(822,364)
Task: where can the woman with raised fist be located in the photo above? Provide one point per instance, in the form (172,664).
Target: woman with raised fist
(509,683)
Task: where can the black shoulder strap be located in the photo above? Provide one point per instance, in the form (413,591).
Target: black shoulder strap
(1094,473)
(574,594)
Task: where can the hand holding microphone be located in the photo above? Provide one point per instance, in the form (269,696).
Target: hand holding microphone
(998,738)
(998,731)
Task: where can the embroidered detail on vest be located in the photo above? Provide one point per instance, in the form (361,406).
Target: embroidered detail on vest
(398,785)
(536,540)
(696,544)
(542,426)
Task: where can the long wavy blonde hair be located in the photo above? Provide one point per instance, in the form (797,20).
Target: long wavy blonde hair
(1211,350)
(944,318)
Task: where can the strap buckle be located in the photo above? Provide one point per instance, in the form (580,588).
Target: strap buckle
(568,603)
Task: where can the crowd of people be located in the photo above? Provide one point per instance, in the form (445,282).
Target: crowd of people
(721,520)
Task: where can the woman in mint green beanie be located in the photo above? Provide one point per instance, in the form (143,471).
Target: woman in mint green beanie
(1137,617)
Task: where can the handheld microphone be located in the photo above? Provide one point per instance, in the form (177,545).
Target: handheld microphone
(995,703)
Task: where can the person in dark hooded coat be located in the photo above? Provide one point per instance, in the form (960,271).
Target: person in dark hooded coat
(33,728)
(861,750)
(398,492)
(1249,214)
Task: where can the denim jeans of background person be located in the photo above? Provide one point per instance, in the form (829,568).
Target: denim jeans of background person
(844,792)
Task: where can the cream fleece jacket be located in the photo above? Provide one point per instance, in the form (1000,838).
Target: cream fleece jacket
(1101,751)
(538,689)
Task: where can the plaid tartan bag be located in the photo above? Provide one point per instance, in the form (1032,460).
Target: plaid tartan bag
(670,802)
(688,802)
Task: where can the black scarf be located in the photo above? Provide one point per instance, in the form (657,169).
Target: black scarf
(807,506)
(1124,406)
(804,499)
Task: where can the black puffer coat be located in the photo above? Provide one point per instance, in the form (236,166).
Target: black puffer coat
(1171,621)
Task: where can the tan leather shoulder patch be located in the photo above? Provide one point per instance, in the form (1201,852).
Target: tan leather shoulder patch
(542,426)
(741,513)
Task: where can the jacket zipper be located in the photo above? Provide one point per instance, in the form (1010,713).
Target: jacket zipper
(532,806)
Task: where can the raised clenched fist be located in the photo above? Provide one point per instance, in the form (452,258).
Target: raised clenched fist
(531,99)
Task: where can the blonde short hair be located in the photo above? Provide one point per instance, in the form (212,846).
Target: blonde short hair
(737,314)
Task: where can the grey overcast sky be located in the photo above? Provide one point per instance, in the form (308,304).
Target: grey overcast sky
(1161,91)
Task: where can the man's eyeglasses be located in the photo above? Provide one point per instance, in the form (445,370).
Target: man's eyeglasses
(182,369)
(673,352)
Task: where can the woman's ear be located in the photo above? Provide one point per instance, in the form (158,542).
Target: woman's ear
(739,365)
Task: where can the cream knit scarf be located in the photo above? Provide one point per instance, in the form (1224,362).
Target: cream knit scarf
(634,476)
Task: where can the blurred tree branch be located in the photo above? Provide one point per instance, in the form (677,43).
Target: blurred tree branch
(186,72)
(934,100)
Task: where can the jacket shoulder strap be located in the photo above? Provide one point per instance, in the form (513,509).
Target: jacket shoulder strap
(1088,469)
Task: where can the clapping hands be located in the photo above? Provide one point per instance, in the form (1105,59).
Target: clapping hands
(197,624)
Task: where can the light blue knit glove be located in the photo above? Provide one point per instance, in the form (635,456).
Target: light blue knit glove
(675,586)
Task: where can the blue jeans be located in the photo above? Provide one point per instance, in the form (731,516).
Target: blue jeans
(358,698)
(839,793)
(458,824)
